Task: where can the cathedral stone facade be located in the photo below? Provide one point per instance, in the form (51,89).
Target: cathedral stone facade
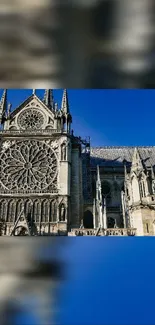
(54,183)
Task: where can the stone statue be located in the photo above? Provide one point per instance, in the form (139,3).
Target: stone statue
(62,212)
(63,151)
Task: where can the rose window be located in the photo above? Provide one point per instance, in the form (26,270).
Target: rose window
(28,165)
(31,119)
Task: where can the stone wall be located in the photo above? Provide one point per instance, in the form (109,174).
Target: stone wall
(75,187)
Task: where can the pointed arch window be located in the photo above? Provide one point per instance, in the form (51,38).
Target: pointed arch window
(28,210)
(106,191)
(142,188)
(45,211)
(18,208)
(36,210)
(3,210)
(11,211)
(53,211)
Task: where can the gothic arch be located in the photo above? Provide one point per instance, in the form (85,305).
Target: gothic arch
(88,219)
(19,207)
(28,209)
(50,127)
(36,210)
(11,210)
(135,188)
(13,128)
(62,211)
(45,211)
(53,211)
(3,210)
(106,191)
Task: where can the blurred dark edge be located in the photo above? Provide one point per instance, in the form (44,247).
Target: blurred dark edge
(76,44)
(47,257)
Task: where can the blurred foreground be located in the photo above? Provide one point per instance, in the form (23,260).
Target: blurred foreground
(30,274)
(77,44)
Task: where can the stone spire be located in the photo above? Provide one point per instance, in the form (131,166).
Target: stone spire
(98,181)
(137,164)
(3,105)
(65,103)
(99,201)
(48,98)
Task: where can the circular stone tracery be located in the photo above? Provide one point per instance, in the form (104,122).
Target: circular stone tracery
(28,165)
(31,119)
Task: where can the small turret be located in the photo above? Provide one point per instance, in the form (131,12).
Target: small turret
(65,103)
(137,164)
(3,106)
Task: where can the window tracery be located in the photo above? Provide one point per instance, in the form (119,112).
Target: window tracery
(31,119)
(28,165)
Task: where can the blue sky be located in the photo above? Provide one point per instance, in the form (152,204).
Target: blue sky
(109,117)
(111,282)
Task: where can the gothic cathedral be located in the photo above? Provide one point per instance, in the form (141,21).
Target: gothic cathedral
(54,183)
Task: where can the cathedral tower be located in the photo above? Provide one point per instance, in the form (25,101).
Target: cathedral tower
(140,197)
(35,165)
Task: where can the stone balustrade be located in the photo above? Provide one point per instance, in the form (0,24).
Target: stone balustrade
(30,132)
(103,232)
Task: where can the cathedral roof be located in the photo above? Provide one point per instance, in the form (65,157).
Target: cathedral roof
(115,156)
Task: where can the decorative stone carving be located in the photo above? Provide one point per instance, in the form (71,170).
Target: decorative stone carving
(62,212)
(6,145)
(28,165)
(31,119)
(64,151)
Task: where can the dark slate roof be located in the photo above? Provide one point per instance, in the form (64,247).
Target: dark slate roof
(114,156)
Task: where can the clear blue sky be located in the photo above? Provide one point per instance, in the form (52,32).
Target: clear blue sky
(109,117)
(111,282)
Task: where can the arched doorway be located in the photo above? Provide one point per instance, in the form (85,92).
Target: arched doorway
(88,220)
